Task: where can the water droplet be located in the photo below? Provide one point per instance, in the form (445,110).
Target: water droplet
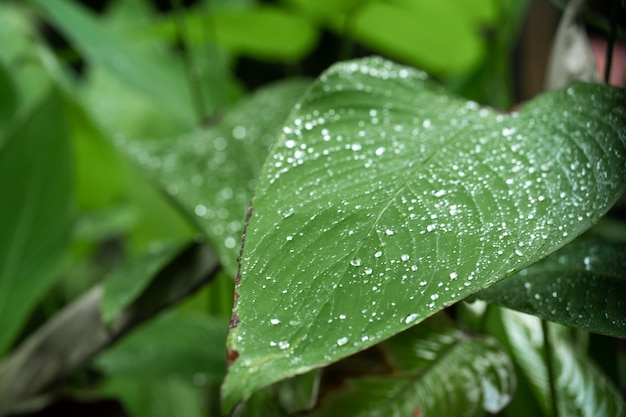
(274,321)
(378,254)
(283,344)
(508,131)
(342,341)
(355,262)
(368,271)
(405,257)
(389,232)
(434,297)
(411,318)
(453,275)
(380,151)
(288,213)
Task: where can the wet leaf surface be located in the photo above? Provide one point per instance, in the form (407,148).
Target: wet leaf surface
(212,174)
(582,285)
(441,371)
(385,200)
(581,388)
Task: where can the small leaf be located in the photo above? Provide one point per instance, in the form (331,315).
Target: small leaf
(35,214)
(581,388)
(581,285)
(442,372)
(126,283)
(102,47)
(183,346)
(212,173)
(149,397)
(386,200)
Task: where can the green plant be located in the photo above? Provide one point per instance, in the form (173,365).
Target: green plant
(390,227)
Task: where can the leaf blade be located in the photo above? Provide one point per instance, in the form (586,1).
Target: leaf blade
(580,286)
(386,200)
(35,214)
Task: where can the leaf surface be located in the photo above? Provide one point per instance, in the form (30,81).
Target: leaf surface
(582,285)
(163,84)
(179,345)
(440,372)
(125,283)
(212,173)
(385,200)
(35,214)
(581,388)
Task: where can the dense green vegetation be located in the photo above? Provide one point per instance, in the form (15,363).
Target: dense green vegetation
(358,236)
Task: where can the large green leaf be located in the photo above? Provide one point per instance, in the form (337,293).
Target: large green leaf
(581,285)
(440,371)
(36,190)
(212,173)
(385,200)
(581,388)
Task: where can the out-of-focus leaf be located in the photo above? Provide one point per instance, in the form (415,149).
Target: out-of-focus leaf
(100,173)
(212,173)
(179,345)
(8,97)
(582,285)
(127,282)
(441,372)
(263,31)
(285,398)
(149,397)
(441,37)
(581,388)
(35,215)
(21,55)
(386,199)
(163,84)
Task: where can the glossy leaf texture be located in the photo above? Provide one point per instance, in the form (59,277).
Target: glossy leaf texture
(386,199)
(35,213)
(581,388)
(212,173)
(439,371)
(582,285)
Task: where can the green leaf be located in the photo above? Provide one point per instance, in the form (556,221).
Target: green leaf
(386,200)
(212,173)
(8,97)
(144,397)
(263,31)
(185,346)
(35,215)
(163,84)
(581,388)
(442,372)
(126,283)
(581,285)
(441,37)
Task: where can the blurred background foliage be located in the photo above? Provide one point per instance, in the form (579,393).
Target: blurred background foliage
(90,74)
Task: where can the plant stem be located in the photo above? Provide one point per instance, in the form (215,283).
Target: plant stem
(611,42)
(195,85)
(550,365)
